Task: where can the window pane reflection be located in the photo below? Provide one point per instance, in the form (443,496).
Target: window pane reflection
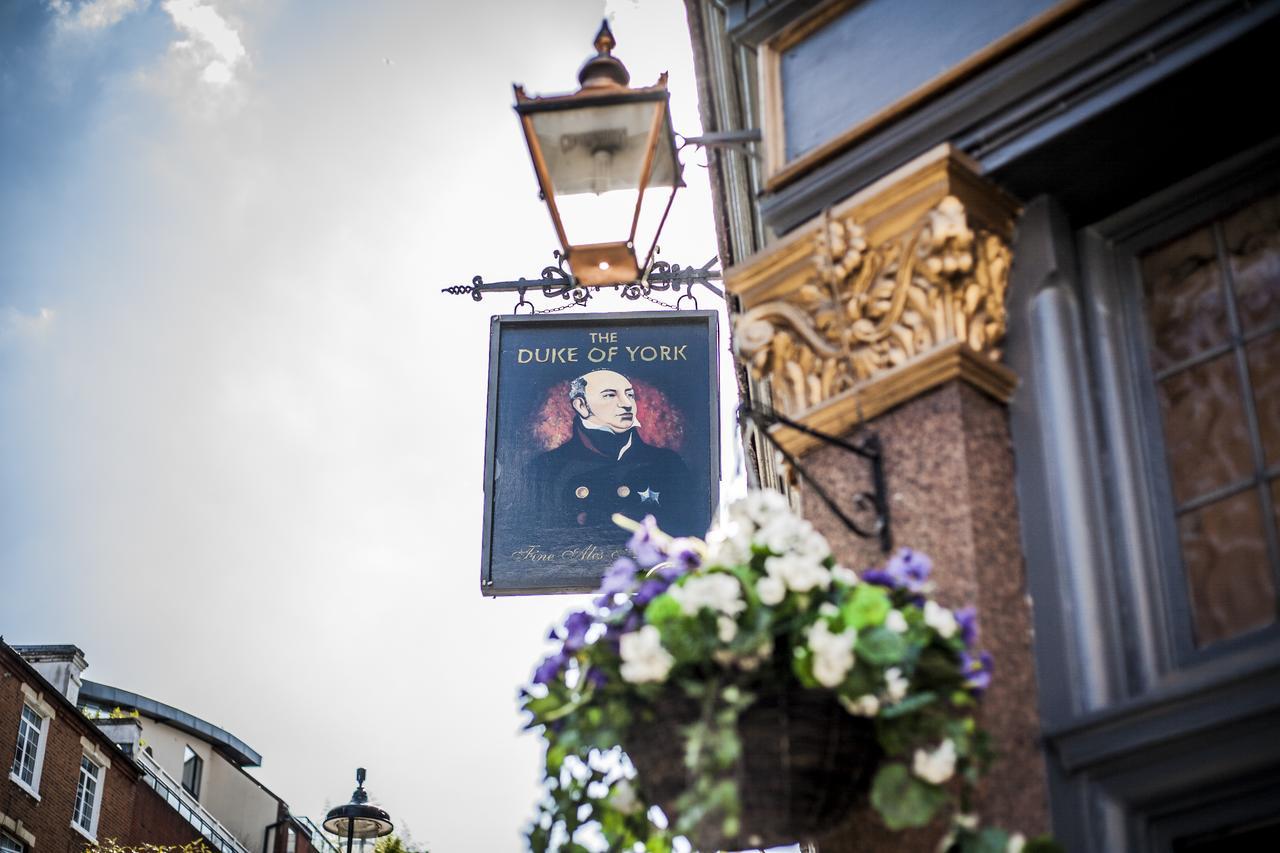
(1205,433)
(1264,376)
(1183,285)
(1227,568)
(1253,242)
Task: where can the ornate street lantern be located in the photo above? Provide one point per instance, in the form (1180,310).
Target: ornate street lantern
(596,153)
(358,819)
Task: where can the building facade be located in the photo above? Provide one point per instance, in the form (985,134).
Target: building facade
(68,786)
(1035,246)
(126,767)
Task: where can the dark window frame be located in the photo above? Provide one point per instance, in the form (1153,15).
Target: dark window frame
(192,759)
(1112,287)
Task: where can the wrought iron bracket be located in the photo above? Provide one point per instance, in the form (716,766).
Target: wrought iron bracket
(556,282)
(724,139)
(866,446)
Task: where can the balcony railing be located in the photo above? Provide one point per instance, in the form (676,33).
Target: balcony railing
(319,840)
(218,836)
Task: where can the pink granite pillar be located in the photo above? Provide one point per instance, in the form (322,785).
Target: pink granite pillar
(950,474)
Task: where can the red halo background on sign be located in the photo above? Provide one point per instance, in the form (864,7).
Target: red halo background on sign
(661,423)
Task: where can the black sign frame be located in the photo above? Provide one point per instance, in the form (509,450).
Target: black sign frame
(702,322)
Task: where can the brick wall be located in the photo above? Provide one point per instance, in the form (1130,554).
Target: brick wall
(130,812)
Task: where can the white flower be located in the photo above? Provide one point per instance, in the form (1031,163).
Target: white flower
(844,575)
(761,507)
(798,572)
(716,591)
(624,797)
(643,657)
(967,821)
(896,622)
(726,628)
(828,609)
(1016,842)
(940,619)
(832,653)
(729,543)
(771,590)
(937,766)
(864,706)
(895,684)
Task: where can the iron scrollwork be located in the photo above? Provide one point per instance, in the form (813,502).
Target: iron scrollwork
(866,446)
(555,282)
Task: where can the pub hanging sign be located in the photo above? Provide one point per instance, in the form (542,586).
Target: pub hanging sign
(589,416)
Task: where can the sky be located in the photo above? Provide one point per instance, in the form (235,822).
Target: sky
(242,428)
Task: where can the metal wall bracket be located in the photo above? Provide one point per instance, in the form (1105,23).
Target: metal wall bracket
(556,282)
(865,446)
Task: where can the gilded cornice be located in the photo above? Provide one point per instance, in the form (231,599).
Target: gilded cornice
(898,288)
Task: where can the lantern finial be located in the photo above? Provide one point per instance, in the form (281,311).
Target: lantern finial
(605,42)
(604,69)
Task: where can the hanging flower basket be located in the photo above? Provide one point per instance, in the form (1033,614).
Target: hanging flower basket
(748,691)
(805,763)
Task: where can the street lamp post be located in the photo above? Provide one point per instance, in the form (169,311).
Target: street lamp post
(358,819)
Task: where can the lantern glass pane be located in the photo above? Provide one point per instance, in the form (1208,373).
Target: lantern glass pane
(607,218)
(601,149)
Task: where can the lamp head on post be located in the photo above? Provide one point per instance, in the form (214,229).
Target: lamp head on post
(358,819)
(612,141)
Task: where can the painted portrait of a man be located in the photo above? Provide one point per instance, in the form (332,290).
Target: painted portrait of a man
(589,417)
(606,467)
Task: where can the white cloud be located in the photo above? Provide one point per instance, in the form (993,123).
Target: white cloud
(17,326)
(210,41)
(94,14)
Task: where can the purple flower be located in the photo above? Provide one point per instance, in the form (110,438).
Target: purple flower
(670,572)
(967,617)
(909,569)
(879,577)
(977,670)
(617,578)
(576,626)
(686,560)
(597,677)
(649,590)
(644,544)
(615,630)
(549,668)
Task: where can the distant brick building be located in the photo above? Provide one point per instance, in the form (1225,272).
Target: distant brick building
(91,763)
(68,785)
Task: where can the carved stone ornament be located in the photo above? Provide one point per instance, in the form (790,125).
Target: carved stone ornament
(866,309)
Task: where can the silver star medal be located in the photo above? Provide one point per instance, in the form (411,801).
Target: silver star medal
(648,496)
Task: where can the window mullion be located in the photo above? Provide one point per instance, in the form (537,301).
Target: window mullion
(1250,410)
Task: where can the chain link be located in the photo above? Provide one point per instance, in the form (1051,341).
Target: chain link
(659,302)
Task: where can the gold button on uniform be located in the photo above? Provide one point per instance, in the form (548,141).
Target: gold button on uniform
(623,491)
(582,491)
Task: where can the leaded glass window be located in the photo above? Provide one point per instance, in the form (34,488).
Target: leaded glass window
(1212,299)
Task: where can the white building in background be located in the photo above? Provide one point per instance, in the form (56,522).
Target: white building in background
(200,768)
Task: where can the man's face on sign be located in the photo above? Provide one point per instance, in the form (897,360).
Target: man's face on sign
(610,401)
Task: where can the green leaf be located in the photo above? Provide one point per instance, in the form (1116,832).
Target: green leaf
(868,606)
(880,646)
(989,840)
(1043,844)
(908,705)
(902,800)
(662,609)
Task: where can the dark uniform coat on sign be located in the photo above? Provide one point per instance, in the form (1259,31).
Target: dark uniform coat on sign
(595,474)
